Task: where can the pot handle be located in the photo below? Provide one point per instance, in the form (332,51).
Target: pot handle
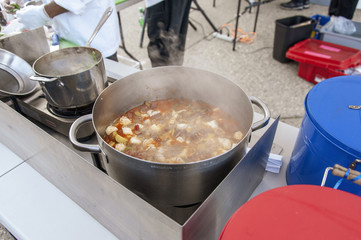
(260,124)
(42,79)
(93,148)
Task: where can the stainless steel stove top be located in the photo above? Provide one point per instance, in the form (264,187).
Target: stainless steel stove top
(35,106)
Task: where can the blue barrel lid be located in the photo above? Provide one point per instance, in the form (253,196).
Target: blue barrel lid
(334,107)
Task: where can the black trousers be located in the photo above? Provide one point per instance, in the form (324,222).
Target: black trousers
(167,26)
(344,8)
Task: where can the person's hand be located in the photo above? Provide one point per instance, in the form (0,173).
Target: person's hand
(12,8)
(33,17)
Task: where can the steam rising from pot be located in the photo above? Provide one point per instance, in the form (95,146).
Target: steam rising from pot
(166,50)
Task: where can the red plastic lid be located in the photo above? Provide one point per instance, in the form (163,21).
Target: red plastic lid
(297,212)
(324,54)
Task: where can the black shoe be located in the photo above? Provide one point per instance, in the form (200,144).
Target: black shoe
(292,6)
(306,4)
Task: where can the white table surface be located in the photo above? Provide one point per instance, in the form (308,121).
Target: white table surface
(32,208)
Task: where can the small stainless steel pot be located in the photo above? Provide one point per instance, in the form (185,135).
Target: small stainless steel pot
(71,77)
(170,184)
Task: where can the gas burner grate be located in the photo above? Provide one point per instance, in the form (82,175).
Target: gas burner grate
(70,112)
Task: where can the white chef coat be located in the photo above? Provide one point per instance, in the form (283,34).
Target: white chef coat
(79,23)
(149,3)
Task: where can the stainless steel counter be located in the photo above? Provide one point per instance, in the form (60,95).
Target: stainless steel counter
(48,189)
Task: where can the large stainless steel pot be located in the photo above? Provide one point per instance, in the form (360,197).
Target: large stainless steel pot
(72,77)
(170,184)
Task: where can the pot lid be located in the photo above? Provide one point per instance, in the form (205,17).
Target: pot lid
(334,107)
(297,212)
(14,75)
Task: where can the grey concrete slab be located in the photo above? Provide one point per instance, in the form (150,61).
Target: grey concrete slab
(251,66)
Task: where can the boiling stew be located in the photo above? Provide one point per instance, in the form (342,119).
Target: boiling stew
(174,131)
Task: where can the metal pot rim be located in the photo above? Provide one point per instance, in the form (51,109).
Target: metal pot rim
(71,50)
(102,145)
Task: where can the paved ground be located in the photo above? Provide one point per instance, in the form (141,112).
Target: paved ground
(251,66)
(4,234)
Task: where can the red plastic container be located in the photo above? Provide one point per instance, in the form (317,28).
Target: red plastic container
(319,60)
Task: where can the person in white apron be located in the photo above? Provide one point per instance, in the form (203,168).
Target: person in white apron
(75,21)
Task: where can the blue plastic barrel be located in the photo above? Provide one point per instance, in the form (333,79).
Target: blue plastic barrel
(330,133)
